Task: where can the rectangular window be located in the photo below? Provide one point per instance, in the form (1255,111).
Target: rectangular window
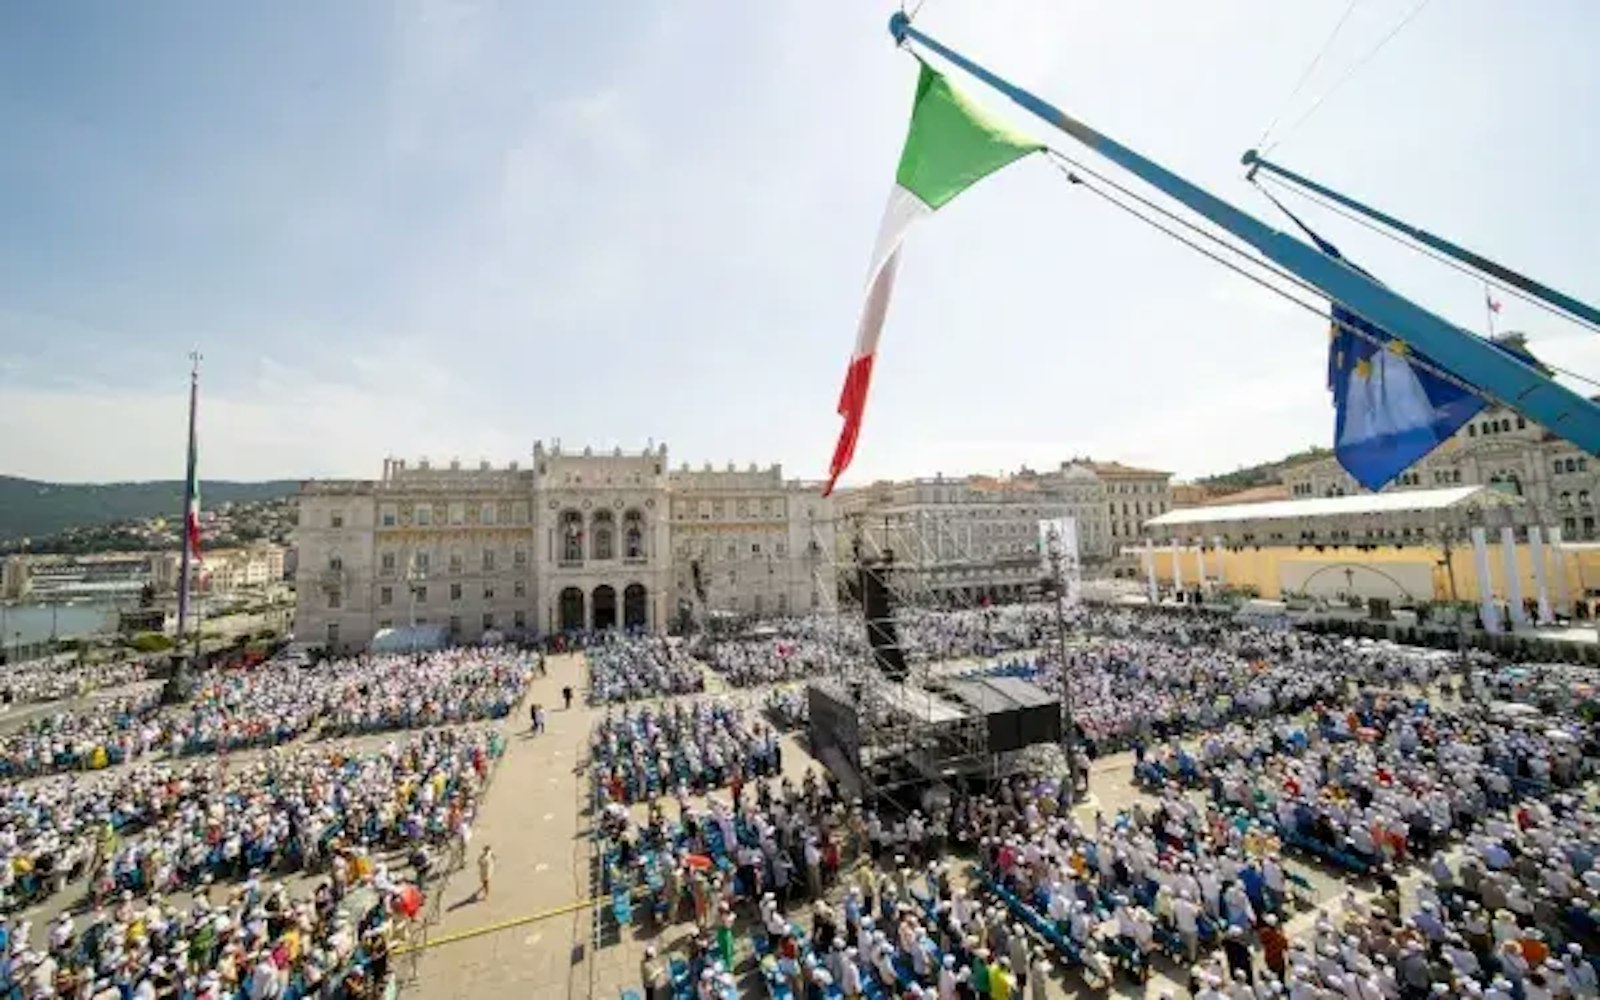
(385,623)
(486,514)
(387,518)
(458,513)
(335,564)
(488,560)
(744,509)
(386,560)
(336,519)
(424,516)
(421,561)
(780,548)
(385,596)
(488,619)
(455,624)
(333,634)
(455,591)
(488,592)
(519,589)
(335,600)
(422,595)
(519,619)
(755,548)
(519,558)
(783,604)
(755,604)
(455,562)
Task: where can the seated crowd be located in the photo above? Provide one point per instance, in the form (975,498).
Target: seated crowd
(164,828)
(641,753)
(45,680)
(627,668)
(254,940)
(271,704)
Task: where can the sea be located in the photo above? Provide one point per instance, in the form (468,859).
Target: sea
(29,623)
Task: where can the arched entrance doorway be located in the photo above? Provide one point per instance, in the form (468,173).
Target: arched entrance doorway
(571,609)
(605,607)
(635,606)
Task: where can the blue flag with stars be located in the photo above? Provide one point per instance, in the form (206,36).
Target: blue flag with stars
(1390,407)
(1389,410)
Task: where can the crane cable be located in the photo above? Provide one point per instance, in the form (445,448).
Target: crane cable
(1316,61)
(1348,73)
(1408,242)
(1070,169)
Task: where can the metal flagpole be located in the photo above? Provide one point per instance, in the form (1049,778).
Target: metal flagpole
(1483,265)
(177,688)
(1466,356)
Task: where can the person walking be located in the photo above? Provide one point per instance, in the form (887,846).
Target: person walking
(485,871)
(566,696)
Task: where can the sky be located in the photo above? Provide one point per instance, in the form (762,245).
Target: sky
(448,229)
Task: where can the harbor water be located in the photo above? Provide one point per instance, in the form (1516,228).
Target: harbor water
(30,623)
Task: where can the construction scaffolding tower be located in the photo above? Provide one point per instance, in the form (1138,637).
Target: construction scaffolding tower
(891,726)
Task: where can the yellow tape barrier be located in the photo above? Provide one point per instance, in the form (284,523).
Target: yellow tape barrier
(493,928)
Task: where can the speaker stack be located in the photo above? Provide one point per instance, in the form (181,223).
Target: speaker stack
(877,603)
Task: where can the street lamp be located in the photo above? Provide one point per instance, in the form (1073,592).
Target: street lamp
(1053,550)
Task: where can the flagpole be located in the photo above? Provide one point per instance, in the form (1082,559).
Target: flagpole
(1482,366)
(1499,272)
(177,688)
(1488,308)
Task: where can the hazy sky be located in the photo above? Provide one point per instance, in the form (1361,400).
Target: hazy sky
(447,228)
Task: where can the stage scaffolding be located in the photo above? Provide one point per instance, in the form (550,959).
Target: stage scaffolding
(897,734)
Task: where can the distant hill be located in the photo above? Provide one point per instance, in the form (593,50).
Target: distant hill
(31,509)
(1264,474)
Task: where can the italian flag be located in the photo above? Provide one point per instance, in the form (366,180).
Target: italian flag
(951,146)
(191,515)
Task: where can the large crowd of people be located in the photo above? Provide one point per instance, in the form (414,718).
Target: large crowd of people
(272,704)
(161,828)
(628,668)
(180,842)
(1320,747)
(52,680)
(685,747)
(251,940)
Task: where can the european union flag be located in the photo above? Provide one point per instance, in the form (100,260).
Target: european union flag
(1390,409)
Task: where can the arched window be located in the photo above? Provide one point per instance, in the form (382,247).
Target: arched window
(571,536)
(605,533)
(1583,498)
(633,535)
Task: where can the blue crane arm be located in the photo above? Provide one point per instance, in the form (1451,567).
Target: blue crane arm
(1499,272)
(1485,368)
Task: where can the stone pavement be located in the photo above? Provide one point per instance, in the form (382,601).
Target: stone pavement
(532,820)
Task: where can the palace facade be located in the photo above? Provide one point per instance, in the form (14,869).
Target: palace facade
(579,540)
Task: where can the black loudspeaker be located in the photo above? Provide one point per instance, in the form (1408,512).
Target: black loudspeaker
(877,602)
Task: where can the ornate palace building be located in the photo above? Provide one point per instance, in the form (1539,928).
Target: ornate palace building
(581,540)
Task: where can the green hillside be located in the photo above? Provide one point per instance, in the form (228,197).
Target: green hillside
(1264,474)
(30,509)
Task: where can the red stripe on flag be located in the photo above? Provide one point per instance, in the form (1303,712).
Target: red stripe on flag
(193,528)
(852,404)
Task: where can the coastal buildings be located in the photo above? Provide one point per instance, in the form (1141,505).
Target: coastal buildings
(578,540)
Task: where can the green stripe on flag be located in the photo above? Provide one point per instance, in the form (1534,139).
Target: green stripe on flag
(953,144)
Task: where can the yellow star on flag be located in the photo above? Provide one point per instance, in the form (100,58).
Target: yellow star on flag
(1364,368)
(1398,348)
